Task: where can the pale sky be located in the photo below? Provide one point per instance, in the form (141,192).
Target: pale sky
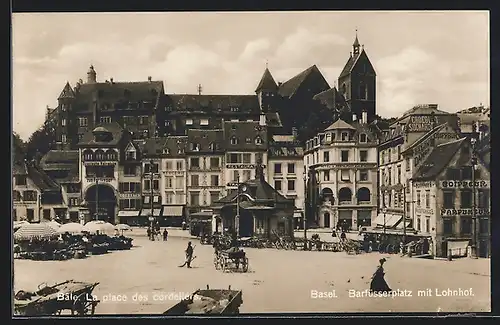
(419,57)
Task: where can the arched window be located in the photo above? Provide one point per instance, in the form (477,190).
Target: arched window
(88,155)
(364,195)
(345,194)
(99,154)
(326,192)
(258,140)
(110,155)
(234,141)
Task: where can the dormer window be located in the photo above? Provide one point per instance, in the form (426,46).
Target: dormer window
(234,141)
(328,137)
(204,121)
(189,121)
(166,151)
(213,146)
(145,133)
(105,119)
(363,138)
(258,140)
(180,151)
(345,136)
(235,109)
(248,140)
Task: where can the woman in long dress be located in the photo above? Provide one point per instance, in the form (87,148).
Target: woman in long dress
(378,283)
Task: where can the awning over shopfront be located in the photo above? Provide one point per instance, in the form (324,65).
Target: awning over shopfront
(390,220)
(147,212)
(125,213)
(458,247)
(172,210)
(401,224)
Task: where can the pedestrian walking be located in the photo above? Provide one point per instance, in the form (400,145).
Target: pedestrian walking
(189,256)
(378,283)
(165,234)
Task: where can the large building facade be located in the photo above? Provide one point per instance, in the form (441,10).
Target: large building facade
(342,160)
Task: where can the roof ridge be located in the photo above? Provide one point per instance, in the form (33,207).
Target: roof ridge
(450,142)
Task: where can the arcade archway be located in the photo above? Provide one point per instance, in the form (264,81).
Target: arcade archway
(102,197)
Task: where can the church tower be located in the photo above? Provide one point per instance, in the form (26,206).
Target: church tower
(267,92)
(357,82)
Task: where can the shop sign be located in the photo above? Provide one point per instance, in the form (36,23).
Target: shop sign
(100,163)
(242,166)
(347,166)
(465,184)
(130,195)
(232,184)
(422,184)
(422,123)
(463,212)
(100,179)
(424,211)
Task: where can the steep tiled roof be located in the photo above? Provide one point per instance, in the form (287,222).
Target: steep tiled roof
(41,179)
(61,165)
(67,92)
(332,99)
(247,135)
(116,135)
(107,92)
(438,160)
(153,147)
(290,87)
(205,141)
(176,146)
(392,133)
(339,124)
(213,103)
(267,82)
(423,110)
(285,150)
(424,137)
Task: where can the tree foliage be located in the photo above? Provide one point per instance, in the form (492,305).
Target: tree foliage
(18,148)
(40,142)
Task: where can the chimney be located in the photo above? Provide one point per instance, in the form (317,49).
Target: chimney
(364,117)
(149,78)
(354,117)
(279,83)
(294,133)
(111,79)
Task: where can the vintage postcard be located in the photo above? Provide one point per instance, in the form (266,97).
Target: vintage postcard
(225,163)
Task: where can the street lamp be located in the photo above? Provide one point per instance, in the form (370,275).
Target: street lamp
(474,216)
(151,199)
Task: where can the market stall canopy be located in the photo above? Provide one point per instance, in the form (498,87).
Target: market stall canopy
(72,228)
(147,212)
(99,225)
(35,231)
(123,227)
(54,224)
(19,224)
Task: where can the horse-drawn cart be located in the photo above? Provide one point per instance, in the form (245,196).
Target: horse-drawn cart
(52,300)
(231,260)
(209,302)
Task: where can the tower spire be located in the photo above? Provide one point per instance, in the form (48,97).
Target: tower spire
(355,45)
(267,63)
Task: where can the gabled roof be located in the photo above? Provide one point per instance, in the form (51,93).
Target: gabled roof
(351,63)
(424,137)
(67,92)
(41,179)
(118,92)
(340,125)
(260,190)
(332,99)
(210,104)
(267,82)
(204,139)
(290,87)
(61,165)
(114,129)
(438,159)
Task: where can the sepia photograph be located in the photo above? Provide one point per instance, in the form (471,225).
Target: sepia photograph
(243,163)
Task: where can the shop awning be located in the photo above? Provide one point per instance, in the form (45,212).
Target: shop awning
(395,218)
(172,210)
(458,247)
(125,213)
(147,212)
(401,225)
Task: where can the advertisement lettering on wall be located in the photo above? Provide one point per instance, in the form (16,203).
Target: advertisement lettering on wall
(465,184)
